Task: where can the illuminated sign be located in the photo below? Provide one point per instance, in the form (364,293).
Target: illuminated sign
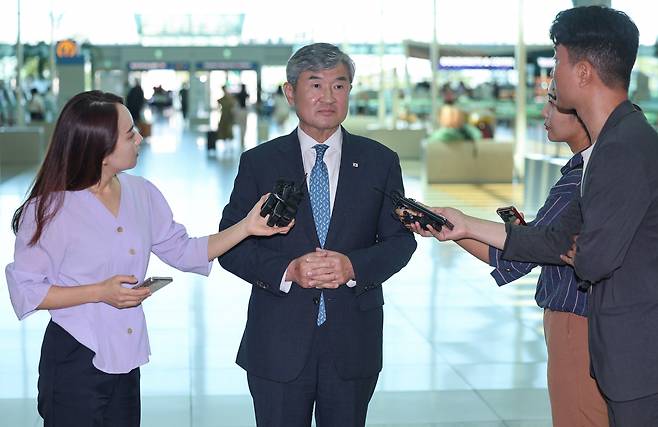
(66,49)
(226,65)
(546,62)
(476,63)
(157,65)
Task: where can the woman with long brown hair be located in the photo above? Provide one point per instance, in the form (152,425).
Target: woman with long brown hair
(83,238)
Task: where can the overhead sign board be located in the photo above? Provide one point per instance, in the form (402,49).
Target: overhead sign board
(545,62)
(158,65)
(226,65)
(476,62)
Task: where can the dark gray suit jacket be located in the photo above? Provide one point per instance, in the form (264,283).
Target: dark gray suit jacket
(280,326)
(617,251)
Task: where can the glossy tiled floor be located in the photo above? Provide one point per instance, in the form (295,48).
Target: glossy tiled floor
(458,350)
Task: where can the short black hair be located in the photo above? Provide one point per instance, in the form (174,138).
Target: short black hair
(605,37)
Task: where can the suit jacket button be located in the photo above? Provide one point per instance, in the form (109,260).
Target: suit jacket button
(316,300)
(509,270)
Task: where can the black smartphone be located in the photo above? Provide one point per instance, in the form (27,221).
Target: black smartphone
(509,214)
(155,283)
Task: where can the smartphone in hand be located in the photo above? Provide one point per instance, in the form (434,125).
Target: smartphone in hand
(155,283)
(509,214)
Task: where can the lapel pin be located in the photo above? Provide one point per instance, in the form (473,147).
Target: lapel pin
(355,165)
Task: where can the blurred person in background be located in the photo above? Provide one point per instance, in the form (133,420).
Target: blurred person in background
(227,105)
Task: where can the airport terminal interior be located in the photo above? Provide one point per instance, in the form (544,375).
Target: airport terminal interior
(458,349)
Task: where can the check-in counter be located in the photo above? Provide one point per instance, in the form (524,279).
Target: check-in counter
(541,173)
(22,147)
(405,142)
(470,162)
(359,124)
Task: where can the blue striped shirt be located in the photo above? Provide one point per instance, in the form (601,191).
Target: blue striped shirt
(557,287)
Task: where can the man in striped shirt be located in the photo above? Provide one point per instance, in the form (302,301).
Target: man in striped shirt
(575,397)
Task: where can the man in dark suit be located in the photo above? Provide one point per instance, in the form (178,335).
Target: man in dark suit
(314,326)
(609,234)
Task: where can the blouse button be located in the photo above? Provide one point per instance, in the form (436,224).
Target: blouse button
(130,331)
(119,229)
(132,251)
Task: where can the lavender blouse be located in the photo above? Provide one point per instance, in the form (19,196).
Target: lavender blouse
(86,244)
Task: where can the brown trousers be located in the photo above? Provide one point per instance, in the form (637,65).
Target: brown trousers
(575,398)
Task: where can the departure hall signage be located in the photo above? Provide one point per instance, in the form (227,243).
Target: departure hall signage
(226,65)
(158,65)
(546,62)
(476,63)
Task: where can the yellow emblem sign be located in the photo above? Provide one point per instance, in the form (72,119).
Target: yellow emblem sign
(66,49)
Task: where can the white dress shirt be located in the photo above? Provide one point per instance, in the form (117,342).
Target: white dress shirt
(332,159)
(587,153)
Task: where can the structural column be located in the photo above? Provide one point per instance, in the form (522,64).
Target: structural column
(521,97)
(20,113)
(434,60)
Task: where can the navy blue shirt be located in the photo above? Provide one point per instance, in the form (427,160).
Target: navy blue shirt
(557,287)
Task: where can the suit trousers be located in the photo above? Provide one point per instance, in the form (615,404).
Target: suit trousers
(74,393)
(338,402)
(575,397)
(642,412)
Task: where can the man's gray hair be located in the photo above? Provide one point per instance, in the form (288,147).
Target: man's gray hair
(317,57)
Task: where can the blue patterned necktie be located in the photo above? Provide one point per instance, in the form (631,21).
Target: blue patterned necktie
(319,186)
